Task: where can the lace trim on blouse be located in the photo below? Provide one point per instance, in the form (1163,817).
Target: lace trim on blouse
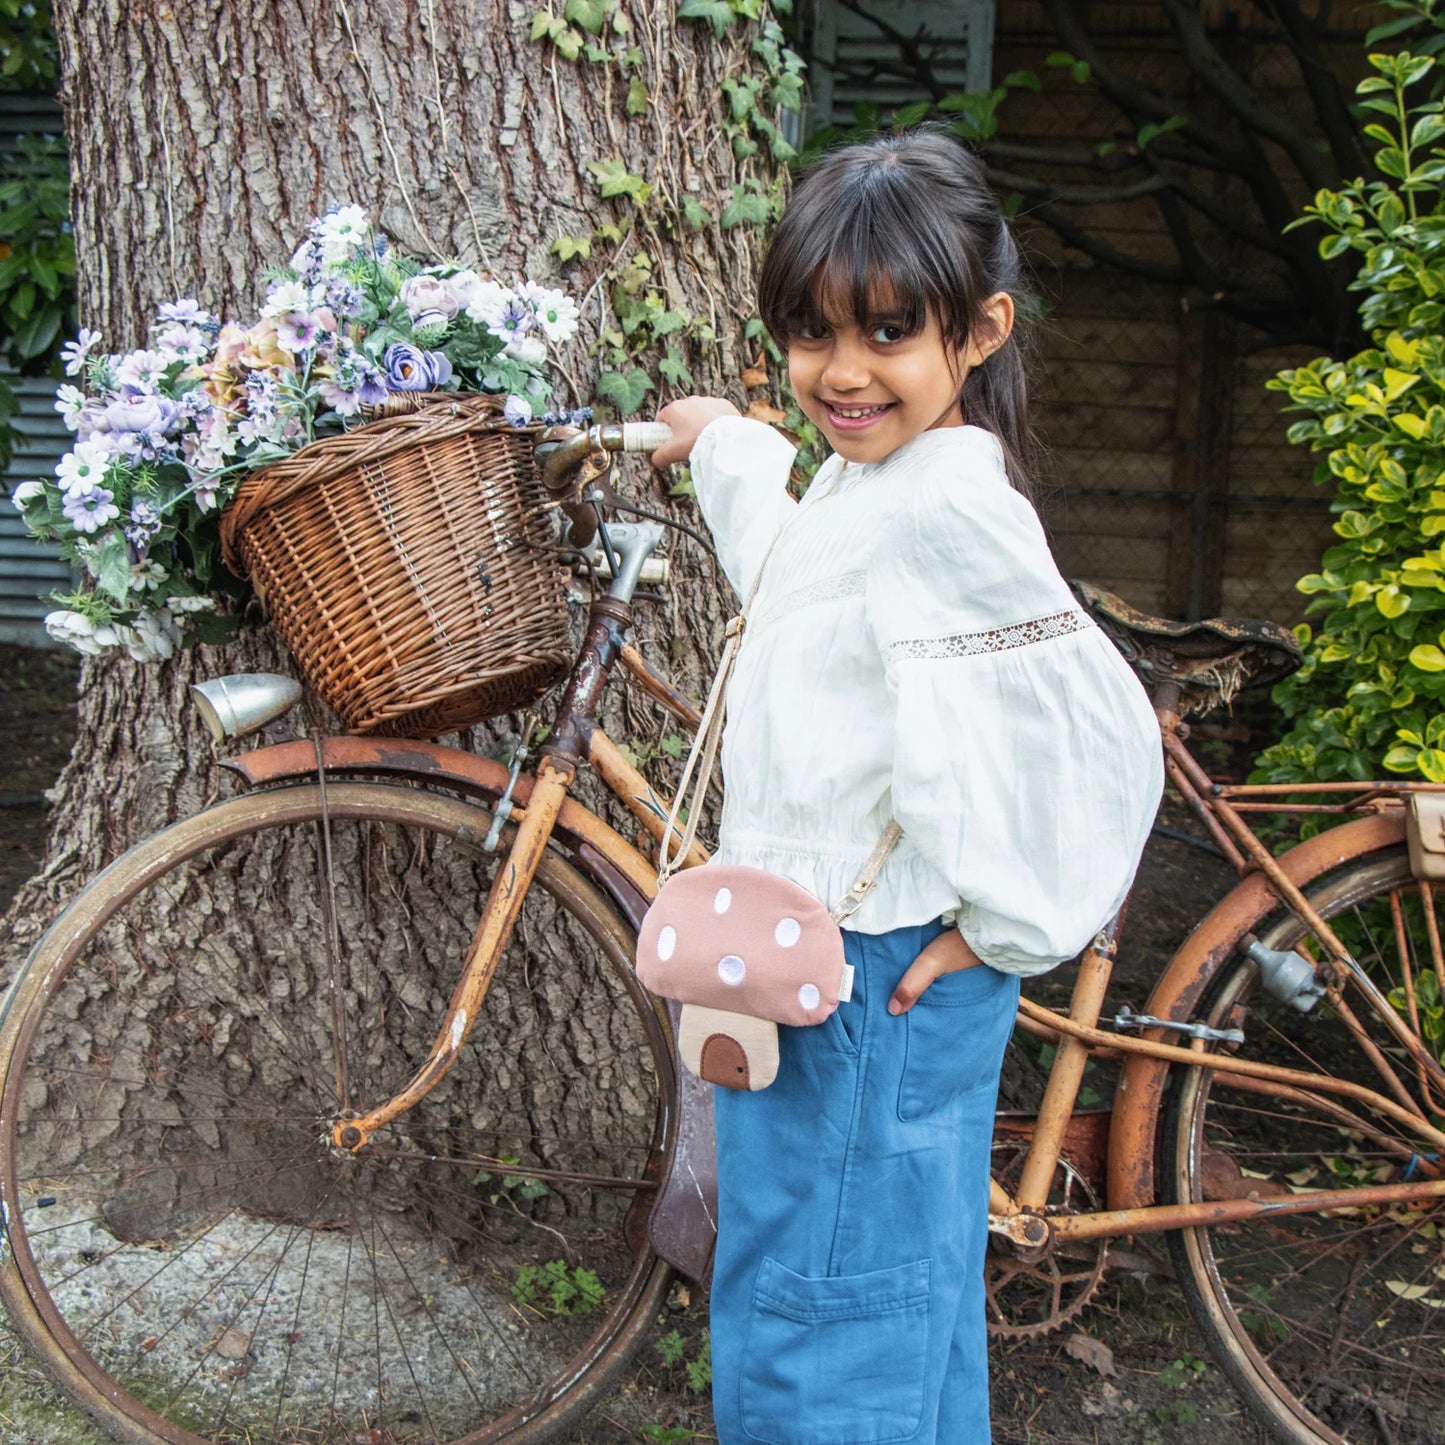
(826,589)
(999,639)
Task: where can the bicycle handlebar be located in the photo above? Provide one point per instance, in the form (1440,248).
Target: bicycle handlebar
(560,457)
(644,436)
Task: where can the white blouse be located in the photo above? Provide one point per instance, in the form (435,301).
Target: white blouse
(912,652)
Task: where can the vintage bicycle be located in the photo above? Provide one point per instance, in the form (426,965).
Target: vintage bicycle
(401,1152)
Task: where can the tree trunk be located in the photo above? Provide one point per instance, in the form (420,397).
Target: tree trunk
(204,138)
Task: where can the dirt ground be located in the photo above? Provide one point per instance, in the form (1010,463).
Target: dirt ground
(1149,1385)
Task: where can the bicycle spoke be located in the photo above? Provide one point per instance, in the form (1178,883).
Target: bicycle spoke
(174,1091)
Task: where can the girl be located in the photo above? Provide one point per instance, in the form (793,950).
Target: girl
(912,652)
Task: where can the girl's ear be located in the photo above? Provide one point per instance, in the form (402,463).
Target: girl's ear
(996,322)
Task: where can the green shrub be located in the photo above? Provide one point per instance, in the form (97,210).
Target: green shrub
(1371,693)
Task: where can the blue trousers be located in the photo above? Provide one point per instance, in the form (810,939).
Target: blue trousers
(847,1294)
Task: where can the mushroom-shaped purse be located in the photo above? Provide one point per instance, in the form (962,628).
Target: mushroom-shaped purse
(742,950)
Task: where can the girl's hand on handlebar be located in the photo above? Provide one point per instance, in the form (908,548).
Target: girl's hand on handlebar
(687,417)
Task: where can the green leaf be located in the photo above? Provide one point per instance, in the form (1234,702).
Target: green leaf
(546,25)
(625,390)
(112,567)
(591,15)
(636,96)
(745,206)
(695,213)
(566,247)
(614,179)
(674,368)
(1431,762)
(568,43)
(717,12)
(1428,658)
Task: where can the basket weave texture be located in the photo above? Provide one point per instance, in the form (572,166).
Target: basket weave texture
(406,566)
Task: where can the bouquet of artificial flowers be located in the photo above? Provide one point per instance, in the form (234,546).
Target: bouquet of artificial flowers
(165,434)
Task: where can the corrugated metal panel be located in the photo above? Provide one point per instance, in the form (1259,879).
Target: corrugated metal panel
(29,569)
(24,114)
(855,59)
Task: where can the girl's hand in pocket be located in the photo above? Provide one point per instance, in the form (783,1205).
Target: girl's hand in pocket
(948,953)
(687,417)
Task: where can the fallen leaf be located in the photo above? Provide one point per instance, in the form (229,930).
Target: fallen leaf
(764,411)
(1091,1352)
(233,1344)
(757,373)
(1416,1293)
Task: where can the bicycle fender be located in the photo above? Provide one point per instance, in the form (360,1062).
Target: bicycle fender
(1188,975)
(468,773)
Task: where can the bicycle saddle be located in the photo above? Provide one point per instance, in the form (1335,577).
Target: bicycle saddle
(1211,660)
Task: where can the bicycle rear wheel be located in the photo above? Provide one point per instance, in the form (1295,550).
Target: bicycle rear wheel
(1331,1325)
(192,1259)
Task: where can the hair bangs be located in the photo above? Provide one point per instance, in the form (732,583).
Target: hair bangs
(853,256)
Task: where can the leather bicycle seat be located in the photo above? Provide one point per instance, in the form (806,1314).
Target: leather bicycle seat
(1211,660)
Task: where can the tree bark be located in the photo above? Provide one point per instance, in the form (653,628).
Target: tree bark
(204,137)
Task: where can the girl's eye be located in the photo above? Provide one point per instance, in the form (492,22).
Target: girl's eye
(889,333)
(812,331)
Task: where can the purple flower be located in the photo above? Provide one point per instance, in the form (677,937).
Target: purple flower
(145,522)
(90,509)
(139,411)
(409,368)
(76,353)
(342,297)
(517,411)
(516,319)
(429,300)
(187,312)
(302,331)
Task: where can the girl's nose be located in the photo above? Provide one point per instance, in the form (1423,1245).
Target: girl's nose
(846,368)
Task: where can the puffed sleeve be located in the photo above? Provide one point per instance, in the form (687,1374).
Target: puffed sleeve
(740,472)
(1027,762)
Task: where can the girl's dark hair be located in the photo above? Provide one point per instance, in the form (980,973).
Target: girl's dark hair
(912,213)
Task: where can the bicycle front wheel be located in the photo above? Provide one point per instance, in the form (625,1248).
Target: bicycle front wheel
(191,1258)
(1331,1324)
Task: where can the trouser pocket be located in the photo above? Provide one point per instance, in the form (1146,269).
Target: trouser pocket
(836,1361)
(957,1032)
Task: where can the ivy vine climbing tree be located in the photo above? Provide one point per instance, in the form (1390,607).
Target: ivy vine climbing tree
(597,144)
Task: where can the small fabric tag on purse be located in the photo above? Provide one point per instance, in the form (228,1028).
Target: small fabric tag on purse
(845,989)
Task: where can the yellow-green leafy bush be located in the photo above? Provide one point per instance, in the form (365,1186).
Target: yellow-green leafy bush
(1371,693)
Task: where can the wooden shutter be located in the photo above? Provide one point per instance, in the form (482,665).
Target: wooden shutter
(854,60)
(28,569)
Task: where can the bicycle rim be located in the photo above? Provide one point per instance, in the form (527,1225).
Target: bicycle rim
(191,1258)
(1332,1325)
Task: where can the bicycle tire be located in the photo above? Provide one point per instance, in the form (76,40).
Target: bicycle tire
(1332,1325)
(189,1257)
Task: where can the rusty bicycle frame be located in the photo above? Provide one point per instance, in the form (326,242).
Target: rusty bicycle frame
(543,811)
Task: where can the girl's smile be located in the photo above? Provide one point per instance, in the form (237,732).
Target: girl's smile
(872,386)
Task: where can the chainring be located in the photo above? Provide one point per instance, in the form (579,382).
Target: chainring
(1036,1292)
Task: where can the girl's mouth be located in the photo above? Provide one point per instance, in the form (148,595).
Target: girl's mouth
(857,418)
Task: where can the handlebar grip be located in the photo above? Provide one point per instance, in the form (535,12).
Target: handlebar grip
(644,436)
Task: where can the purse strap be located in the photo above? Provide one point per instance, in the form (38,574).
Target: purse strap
(701,759)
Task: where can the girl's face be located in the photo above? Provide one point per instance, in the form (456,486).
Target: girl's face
(870,385)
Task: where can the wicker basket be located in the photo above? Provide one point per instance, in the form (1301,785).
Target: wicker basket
(396,563)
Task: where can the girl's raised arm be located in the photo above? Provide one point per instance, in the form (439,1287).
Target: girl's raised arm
(740,471)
